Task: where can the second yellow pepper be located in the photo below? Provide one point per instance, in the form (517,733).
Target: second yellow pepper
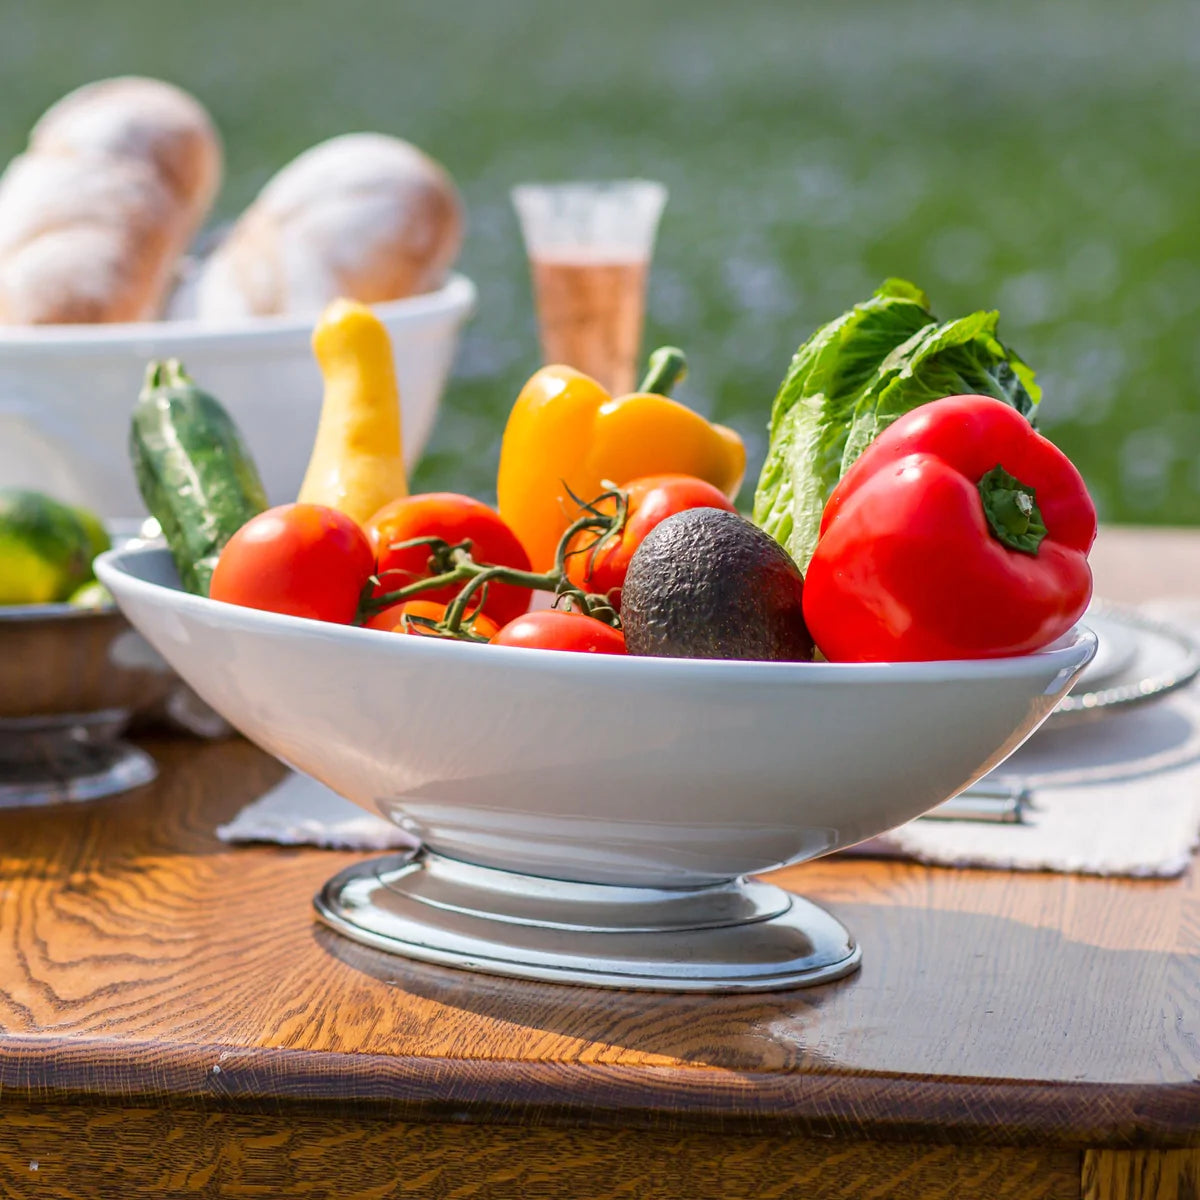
(566,435)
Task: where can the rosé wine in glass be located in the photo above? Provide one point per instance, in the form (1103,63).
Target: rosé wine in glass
(589,247)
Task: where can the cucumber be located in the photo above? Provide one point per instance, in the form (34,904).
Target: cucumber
(194,472)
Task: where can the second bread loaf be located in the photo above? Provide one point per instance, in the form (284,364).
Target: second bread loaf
(363,216)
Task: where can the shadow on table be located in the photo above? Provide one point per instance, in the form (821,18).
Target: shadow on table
(941,992)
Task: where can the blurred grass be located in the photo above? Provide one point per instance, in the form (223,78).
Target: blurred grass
(1042,159)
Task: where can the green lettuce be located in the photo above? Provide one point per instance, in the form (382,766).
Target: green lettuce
(852,379)
(816,404)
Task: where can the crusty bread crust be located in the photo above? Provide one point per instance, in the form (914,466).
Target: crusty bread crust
(117,179)
(364,216)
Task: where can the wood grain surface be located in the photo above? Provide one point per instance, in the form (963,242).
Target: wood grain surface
(141,959)
(1135,563)
(145,964)
(92,1154)
(1141,1175)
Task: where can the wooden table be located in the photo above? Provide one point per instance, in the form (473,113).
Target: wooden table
(174,1024)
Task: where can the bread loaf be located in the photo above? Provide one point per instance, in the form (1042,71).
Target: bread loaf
(363,216)
(94,215)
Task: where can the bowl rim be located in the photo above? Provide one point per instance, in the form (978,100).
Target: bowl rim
(63,610)
(1069,653)
(456,297)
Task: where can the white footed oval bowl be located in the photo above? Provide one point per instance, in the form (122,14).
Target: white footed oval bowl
(66,392)
(642,772)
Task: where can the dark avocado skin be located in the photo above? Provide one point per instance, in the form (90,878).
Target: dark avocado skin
(708,584)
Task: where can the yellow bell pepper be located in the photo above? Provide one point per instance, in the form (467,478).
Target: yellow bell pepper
(357,463)
(567,434)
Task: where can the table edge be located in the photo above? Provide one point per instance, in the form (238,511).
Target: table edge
(42,1070)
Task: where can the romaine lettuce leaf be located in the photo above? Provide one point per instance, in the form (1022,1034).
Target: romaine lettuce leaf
(962,357)
(852,379)
(813,410)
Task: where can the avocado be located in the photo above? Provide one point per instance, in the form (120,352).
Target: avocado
(707,583)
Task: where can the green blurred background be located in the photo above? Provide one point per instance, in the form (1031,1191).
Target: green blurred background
(1043,159)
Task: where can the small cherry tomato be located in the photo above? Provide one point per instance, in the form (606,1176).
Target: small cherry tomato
(392,619)
(652,499)
(305,560)
(455,519)
(554,629)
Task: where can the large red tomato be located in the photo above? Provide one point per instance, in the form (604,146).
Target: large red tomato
(455,519)
(554,629)
(652,499)
(305,560)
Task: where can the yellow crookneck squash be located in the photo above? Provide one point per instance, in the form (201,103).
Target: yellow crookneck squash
(357,463)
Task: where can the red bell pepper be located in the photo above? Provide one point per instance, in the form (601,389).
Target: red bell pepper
(959,533)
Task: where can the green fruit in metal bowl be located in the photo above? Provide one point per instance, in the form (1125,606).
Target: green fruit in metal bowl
(97,535)
(46,548)
(93,595)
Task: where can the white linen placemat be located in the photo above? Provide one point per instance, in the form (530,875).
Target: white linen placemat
(1138,815)
(299,811)
(1117,796)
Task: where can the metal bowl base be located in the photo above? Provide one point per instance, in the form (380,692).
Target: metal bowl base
(59,760)
(738,936)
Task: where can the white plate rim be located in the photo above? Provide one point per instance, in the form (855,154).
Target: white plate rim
(1140,691)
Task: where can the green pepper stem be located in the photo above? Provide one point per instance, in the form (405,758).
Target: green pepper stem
(1011,509)
(667,367)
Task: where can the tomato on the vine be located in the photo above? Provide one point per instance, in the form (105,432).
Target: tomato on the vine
(652,499)
(454,519)
(393,619)
(304,560)
(555,629)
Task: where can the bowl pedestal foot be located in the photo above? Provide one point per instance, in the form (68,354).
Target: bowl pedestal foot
(56,760)
(740,935)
